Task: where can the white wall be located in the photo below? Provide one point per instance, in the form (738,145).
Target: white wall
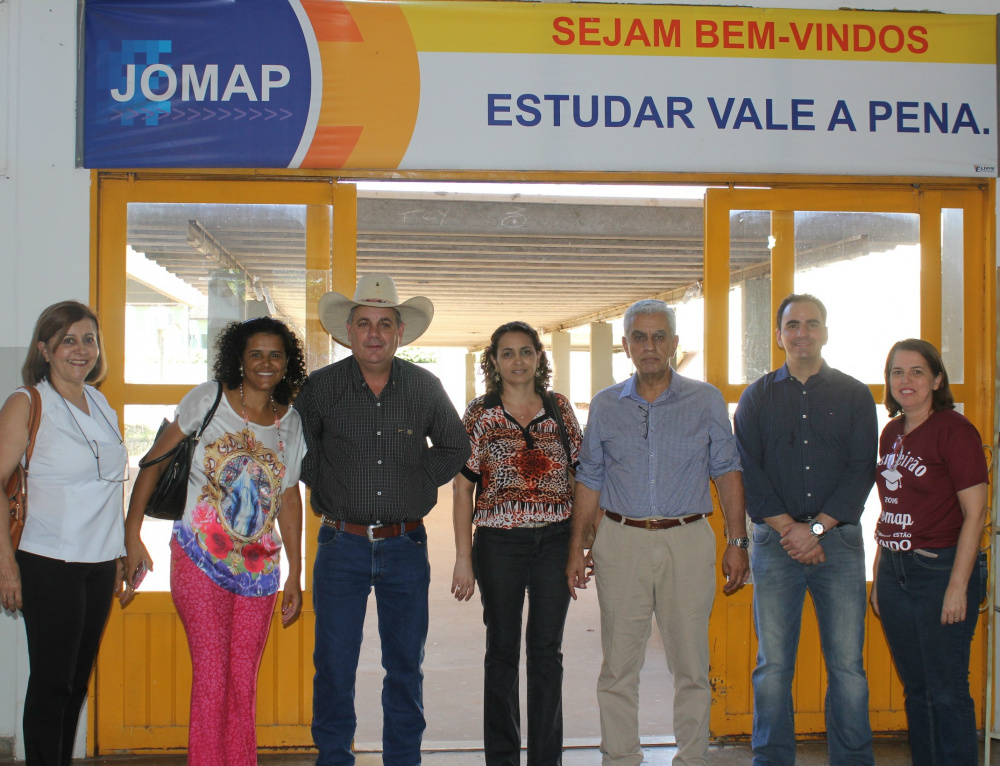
(45,205)
(44,222)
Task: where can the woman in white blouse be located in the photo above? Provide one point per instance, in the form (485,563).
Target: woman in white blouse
(66,570)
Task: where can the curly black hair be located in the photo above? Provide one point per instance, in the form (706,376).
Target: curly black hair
(543,374)
(232,342)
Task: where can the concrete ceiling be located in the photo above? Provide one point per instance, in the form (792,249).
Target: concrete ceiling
(483,260)
(553,264)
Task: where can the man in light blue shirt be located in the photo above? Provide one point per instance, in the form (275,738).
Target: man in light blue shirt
(652,444)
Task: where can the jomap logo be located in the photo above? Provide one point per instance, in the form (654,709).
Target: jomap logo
(157,86)
(198,84)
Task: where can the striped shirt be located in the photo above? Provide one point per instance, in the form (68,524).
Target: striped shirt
(369,461)
(655,458)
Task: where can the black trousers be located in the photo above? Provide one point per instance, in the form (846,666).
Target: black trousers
(66,606)
(509,563)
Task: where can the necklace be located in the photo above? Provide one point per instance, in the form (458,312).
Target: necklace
(277,422)
(522,412)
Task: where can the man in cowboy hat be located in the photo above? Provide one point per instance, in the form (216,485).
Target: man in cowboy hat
(373,477)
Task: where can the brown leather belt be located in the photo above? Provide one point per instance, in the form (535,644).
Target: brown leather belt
(374,531)
(653,523)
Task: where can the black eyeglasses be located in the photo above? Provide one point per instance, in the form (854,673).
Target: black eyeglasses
(645,421)
(114,468)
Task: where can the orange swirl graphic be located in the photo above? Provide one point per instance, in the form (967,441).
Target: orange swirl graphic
(371,85)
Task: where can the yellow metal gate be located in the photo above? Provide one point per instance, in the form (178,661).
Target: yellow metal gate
(953,237)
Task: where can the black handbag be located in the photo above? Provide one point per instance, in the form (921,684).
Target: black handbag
(170,494)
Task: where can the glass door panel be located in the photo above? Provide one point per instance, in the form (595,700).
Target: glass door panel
(750,323)
(865,267)
(689,311)
(952,293)
(141,424)
(193,268)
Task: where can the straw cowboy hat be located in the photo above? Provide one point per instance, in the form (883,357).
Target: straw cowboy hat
(380,291)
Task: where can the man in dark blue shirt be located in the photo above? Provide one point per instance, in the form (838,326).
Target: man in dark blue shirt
(807,437)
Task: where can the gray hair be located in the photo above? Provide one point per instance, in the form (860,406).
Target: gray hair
(650,306)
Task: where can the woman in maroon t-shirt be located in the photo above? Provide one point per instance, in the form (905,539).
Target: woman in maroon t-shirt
(930,575)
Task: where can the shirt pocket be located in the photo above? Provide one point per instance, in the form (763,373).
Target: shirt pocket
(833,424)
(405,443)
(688,452)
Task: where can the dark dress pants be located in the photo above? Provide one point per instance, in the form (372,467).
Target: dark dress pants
(509,563)
(66,606)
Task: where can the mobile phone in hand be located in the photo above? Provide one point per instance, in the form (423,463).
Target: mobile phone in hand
(140,575)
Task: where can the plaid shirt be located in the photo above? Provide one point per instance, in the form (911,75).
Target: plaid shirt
(368,460)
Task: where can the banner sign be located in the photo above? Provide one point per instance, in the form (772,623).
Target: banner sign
(510,86)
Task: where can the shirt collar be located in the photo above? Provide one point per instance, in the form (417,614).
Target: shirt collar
(630,389)
(493,400)
(359,379)
(784,374)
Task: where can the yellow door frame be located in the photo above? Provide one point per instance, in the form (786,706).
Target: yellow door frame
(149,714)
(143,676)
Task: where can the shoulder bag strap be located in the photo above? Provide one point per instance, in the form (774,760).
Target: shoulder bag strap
(563,436)
(195,439)
(210,415)
(33,420)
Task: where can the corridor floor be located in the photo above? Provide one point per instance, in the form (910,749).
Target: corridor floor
(892,752)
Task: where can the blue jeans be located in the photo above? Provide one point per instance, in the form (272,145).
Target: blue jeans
(347,568)
(837,587)
(507,563)
(932,659)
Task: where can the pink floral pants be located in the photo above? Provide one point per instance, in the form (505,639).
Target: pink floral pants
(226,634)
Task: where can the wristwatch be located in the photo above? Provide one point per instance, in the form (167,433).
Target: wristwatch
(817,529)
(739,542)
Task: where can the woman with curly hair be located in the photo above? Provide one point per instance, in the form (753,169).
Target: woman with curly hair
(524,440)
(225,551)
